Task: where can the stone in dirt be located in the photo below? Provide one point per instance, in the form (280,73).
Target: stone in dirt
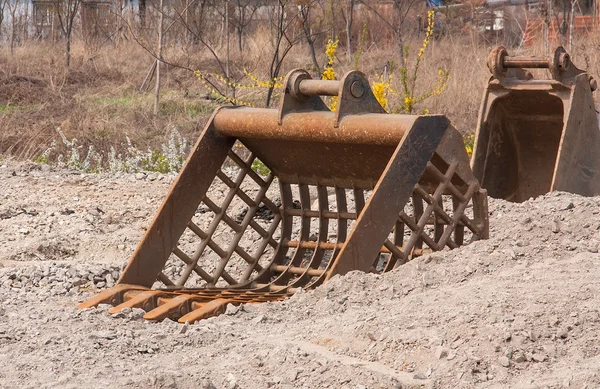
(231,309)
(441,352)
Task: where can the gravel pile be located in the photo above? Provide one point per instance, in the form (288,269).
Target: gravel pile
(520,310)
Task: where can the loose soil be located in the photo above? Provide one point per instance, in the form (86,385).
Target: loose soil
(520,310)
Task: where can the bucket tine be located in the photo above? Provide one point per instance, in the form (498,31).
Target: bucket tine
(355,189)
(537,136)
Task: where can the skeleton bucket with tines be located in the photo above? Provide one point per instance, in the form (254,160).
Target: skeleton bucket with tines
(355,189)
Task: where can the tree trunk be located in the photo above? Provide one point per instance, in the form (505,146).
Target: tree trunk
(571,25)
(142,12)
(305,12)
(227,38)
(332,20)
(400,42)
(12,37)
(159,56)
(68,50)
(349,29)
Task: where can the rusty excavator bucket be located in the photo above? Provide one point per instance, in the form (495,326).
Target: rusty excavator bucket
(536,136)
(355,189)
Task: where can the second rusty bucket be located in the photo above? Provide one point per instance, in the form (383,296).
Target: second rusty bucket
(537,135)
(271,201)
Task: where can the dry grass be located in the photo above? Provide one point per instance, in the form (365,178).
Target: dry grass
(98,99)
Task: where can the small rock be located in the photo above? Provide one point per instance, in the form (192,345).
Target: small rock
(207,384)
(555,226)
(126,311)
(520,358)
(420,376)
(569,206)
(539,357)
(504,361)
(441,352)
(258,319)
(563,332)
(137,313)
(140,176)
(103,335)
(231,309)
(231,380)
(184,328)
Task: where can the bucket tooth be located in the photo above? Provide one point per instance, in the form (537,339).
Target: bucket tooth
(205,310)
(175,307)
(536,136)
(355,189)
(112,296)
(146,300)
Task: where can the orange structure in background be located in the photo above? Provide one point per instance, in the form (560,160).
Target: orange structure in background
(534,30)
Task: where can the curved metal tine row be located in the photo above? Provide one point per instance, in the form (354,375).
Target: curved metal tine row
(282,283)
(195,304)
(342,231)
(192,305)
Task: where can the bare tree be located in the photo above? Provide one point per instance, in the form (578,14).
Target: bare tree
(242,17)
(282,42)
(3,4)
(159,51)
(142,13)
(67,12)
(396,23)
(305,7)
(13,7)
(227,74)
(349,19)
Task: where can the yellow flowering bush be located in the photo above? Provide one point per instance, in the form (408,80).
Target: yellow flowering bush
(408,78)
(329,72)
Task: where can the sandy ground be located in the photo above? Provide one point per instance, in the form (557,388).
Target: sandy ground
(521,310)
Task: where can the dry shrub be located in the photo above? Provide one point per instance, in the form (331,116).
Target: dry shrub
(98,100)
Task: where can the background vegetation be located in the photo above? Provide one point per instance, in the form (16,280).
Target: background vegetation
(137,82)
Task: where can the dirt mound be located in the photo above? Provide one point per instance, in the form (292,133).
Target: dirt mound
(520,310)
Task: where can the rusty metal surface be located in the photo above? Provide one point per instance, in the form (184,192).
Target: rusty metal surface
(536,136)
(358,189)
